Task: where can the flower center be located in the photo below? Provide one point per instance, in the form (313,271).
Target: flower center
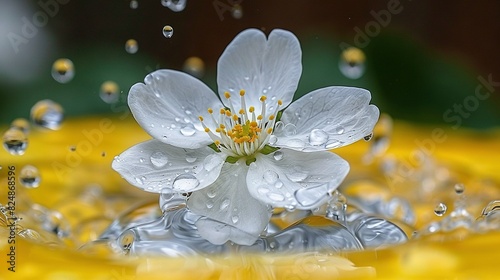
(243,133)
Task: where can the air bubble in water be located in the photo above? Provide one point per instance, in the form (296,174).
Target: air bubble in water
(109,92)
(22,124)
(318,137)
(237,11)
(15,141)
(168,31)
(185,182)
(29,177)
(159,159)
(47,113)
(63,70)
(131,46)
(440,209)
(174,5)
(352,63)
(194,66)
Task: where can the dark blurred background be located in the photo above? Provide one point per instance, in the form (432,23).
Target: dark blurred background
(424,62)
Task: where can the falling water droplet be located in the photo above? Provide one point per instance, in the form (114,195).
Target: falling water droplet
(194,66)
(224,204)
(318,137)
(185,182)
(352,63)
(278,155)
(159,159)
(15,141)
(131,46)
(134,4)
(188,130)
(440,209)
(237,11)
(47,113)
(22,124)
(459,188)
(168,31)
(63,70)
(174,5)
(109,92)
(368,137)
(29,177)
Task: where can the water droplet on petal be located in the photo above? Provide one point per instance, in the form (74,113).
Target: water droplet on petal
(270,176)
(109,92)
(333,144)
(440,209)
(63,70)
(459,188)
(166,194)
(29,177)
(296,144)
(278,155)
(273,139)
(352,63)
(15,141)
(235,219)
(211,162)
(210,205)
(131,46)
(289,129)
(278,185)
(307,197)
(276,196)
(185,182)
(339,129)
(263,190)
(318,137)
(190,159)
(174,5)
(188,130)
(127,240)
(47,113)
(139,180)
(224,204)
(211,193)
(159,159)
(168,31)
(296,176)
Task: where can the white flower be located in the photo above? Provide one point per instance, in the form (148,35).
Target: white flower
(259,162)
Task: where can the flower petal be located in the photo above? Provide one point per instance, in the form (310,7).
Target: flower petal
(327,118)
(291,179)
(167,106)
(233,214)
(260,67)
(153,166)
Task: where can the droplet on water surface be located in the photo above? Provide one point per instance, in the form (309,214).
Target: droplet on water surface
(168,31)
(131,46)
(440,209)
(185,182)
(15,141)
(352,63)
(29,177)
(63,70)
(22,124)
(110,92)
(47,113)
(174,5)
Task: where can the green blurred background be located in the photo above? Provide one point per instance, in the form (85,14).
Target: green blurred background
(426,59)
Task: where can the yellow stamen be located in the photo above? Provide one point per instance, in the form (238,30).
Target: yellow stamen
(200,118)
(242,92)
(227,95)
(263,98)
(241,112)
(269,130)
(271,117)
(210,111)
(207,129)
(259,117)
(217,142)
(228,113)
(280,102)
(222,111)
(251,109)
